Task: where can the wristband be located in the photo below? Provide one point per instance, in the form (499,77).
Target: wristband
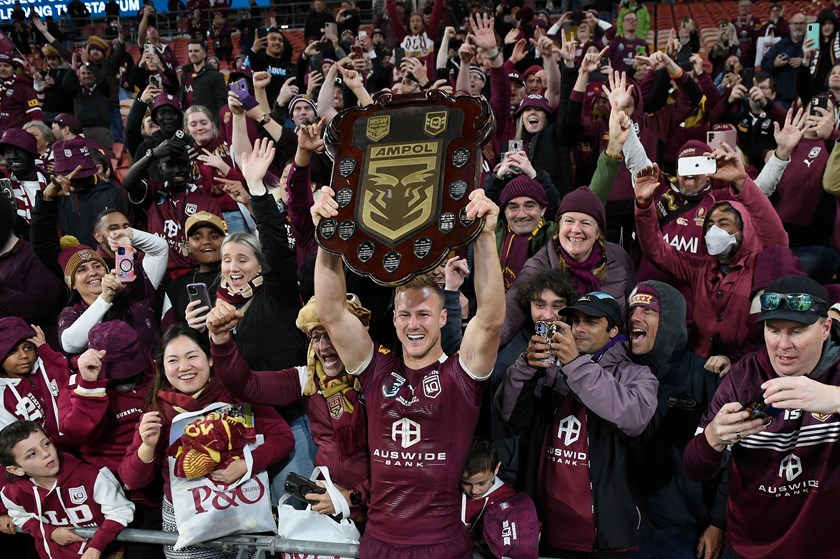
(495,56)
(614,156)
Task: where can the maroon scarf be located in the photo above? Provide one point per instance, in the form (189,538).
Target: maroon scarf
(239,298)
(513,255)
(179,402)
(581,272)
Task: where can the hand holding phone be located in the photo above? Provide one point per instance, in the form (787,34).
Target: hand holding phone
(696,166)
(240,87)
(298,486)
(124,264)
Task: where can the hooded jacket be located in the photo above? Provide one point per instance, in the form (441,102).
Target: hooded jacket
(83,495)
(782,481)
(721,293)
(618,399)
(685,391)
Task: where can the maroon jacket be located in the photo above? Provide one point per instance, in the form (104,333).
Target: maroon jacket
(722,298)
(786,476)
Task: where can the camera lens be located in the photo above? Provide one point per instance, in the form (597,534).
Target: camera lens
(289,487)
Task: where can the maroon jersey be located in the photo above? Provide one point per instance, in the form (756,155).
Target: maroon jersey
(18,104)
(624,51)
(168,213)
(420,427)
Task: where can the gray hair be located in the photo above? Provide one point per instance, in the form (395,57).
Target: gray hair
(45,130)
(249,240)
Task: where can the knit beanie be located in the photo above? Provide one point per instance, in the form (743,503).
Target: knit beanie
(302,98)
(583,200)
(523,185)
(73,254)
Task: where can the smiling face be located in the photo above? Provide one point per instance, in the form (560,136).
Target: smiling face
(644,326)
(534,120)
(591,333)
(6,70)
(206,246)
(21,359)
(200,128)
(546,306)
(523,215)
(578,234)
(177,174)
(196,54)
(113,221)
(795,348)
(326,353)
(88,279)
(274,47)
(37,457)
(186,366)
(418,317)
(20,161)
(239,265)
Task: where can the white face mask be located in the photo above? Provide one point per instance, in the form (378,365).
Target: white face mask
(718,241)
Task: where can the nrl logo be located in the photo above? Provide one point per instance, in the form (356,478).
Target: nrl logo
(378,127)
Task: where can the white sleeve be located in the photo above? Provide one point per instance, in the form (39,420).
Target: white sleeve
(157,254)
(111,499)
(635,157)
(771,174)
(16,512)
(366,363)
(303,376)
(75,338)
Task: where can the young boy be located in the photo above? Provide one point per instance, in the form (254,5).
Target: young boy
(55,493)
(480,485)
(31,376)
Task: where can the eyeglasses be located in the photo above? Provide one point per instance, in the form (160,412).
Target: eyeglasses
(799,302)
(317,337)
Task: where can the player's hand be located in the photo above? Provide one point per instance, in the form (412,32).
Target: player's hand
(481,206)
(326,206)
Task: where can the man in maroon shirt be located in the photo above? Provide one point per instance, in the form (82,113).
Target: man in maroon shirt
(423,407)
(785,459)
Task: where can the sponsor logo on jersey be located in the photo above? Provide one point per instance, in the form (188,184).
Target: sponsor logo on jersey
(790,470)
(821,416)
(78,495)
(791,467)
(815,151)
(405,432)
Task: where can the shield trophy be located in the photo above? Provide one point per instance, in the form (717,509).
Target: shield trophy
(403,168)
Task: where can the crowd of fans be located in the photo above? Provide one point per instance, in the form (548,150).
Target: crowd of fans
(661,380)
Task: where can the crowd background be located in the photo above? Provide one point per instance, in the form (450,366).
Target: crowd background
(147,138)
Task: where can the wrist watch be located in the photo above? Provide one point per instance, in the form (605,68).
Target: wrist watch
(264,119)
(150,153)
(355,498)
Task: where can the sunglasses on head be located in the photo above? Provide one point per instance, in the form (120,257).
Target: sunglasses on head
(799,302)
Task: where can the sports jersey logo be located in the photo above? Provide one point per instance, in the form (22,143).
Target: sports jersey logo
(431,385)
(815,151)
(821,416)
(78,495)
(390,390)
(335,405)
(569,430)
(407,431)
(190,209)
(171,228)
(791,467)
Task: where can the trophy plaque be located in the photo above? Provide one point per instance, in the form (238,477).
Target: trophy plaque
(403,168)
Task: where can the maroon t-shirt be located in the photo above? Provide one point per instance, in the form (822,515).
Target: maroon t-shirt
(564,486)
(420,427)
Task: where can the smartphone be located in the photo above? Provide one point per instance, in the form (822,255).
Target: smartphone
(545,330)
(356,52)
(124,263)
(747,75)
(696,166)
(821,102)
(716,139)
(261,32)
(515,145)
(813,34)
(156,81)
(362,33)
(7,189)
(331,29)
(149,47)
(759,409)
(198,292)
(297,486)
(399,54)
(684,59)
(240,87)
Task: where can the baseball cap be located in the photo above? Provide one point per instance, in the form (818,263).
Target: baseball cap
(203,218)
(796,298)
(596,305)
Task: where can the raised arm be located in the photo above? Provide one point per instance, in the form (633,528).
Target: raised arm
(349,337)
(480,345)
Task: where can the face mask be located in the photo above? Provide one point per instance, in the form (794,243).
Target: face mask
(718,241)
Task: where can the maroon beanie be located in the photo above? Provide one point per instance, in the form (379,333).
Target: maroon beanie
(694,148)
(536,101)
(124,356)
(644,296)
(13,330)
(584,201)
(523,185)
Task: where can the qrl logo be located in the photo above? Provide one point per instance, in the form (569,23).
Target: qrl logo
(569,430)
(791,467)
(248,493)
(407,431)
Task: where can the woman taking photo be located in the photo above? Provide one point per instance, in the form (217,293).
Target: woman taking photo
(185,382)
